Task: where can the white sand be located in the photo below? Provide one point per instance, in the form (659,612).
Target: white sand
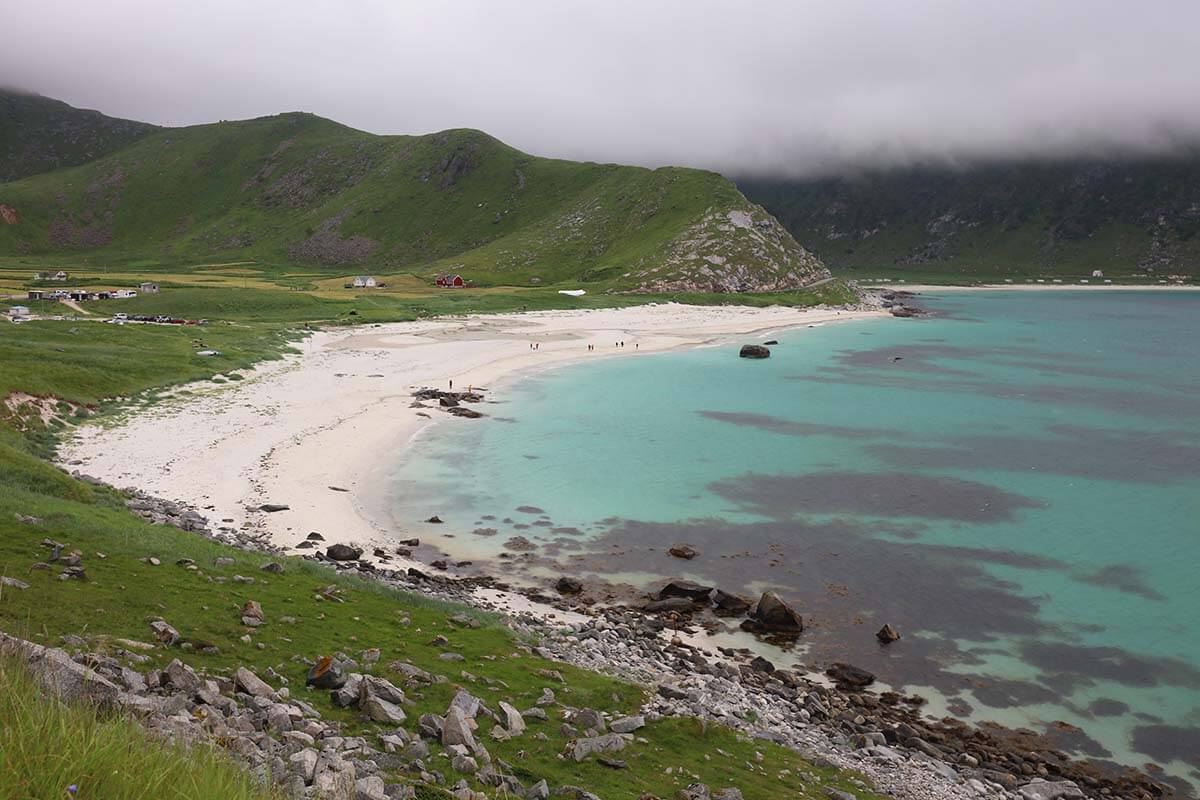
(338,413)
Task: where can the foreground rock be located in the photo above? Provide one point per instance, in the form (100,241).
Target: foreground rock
(772,614)
(754,351)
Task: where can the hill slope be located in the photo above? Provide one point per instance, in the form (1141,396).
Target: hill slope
(38,134)
(1022,217)
(298,189)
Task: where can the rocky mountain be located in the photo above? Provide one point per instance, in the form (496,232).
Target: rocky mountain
(1127,215)
(38,134)
(299,189)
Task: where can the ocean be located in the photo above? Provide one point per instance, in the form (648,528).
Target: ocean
(1012,482)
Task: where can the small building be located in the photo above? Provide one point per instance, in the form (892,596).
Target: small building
(51,276)
(148,288)
(19,311)
(451,281)
(1096,273)
(36,294)
(365,282)
(79,295)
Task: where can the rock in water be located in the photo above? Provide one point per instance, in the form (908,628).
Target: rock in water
(850,675)
(774,614)
(887,634)
(326,674)
(684,551)
(343,552)
(567,585)
(726,604)
(754,351)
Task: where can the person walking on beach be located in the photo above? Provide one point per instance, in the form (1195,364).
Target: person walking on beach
(452,384)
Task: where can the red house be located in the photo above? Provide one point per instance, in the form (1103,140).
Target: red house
(451,281)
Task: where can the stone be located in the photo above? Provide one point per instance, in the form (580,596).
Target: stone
(13,582)
(456,729)
(588,719)
(273,567)
(849,675)
(467,703)
(728,793)
(331,785)
(684,551)
(252,614)
(272,508)
(248,682)
(430,726)
(688,589)
(464,764)
(164,632)
(223,561)
(837,794)
(380,710)
(374,686)
(435,519)
(887,634)
(514,723)
(760,664)
(754,351)
(180,677)
(728,605)
(304,763)
(325,674)
(370,788)
(676,605)
(695,791)
(628,724)
(349,693)
(56,672)
(539,791)
(773,614)
(343,552)
(608,743)
(567,585)
(1050,790)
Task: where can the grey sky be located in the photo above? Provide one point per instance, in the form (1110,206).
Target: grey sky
(735,86)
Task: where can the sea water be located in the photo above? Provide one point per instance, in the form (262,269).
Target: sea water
(1013,482)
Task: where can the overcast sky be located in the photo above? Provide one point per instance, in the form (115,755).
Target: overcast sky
(792,87)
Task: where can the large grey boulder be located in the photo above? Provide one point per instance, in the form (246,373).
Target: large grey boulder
(304,763)
(381,710)
(628,724)
(773,614)
(248,682)
(1050,790)
(514,723)
(608,743)
(55,672)
(754,351)
(373,686)
(456,729)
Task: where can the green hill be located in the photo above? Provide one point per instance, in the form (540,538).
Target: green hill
(38,134)
(1128,217)
(296,189)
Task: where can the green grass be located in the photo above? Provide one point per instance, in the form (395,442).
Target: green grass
(47,746)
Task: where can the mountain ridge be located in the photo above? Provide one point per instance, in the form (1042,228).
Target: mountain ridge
(295,188)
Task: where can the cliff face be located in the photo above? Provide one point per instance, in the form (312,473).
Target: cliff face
(1135,215)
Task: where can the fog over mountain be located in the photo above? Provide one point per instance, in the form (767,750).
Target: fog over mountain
(781,88)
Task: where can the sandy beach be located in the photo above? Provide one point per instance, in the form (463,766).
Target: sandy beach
(338,413)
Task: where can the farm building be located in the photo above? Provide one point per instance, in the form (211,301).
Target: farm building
(1097,273)
(36,294)
(365,282)
(451,280)
(148,288)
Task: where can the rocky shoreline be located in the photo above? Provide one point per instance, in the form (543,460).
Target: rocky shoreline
(883,735)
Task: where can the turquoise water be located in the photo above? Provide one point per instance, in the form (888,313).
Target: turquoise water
(1013,483)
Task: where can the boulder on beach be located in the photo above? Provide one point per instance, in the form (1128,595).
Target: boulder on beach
(678,605)
(728,605)
(754,351)
(773,614)
(688,589)
(343,552)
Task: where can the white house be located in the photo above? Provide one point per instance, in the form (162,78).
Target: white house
(364,282)
(1096,273)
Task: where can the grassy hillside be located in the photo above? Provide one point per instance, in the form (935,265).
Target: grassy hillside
(123,592)
(1135,219)
(38,134)
(303,191)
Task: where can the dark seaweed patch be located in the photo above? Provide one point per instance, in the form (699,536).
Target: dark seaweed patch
(1168,743)
(788,427)
(888,494)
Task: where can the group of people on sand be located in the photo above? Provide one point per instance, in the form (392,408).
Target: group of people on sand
(535,345)
(618,345)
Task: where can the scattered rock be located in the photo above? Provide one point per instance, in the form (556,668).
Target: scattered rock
(754,351)
(887,634)
(684,551)
(343,552)
(326,674)
(271,508)
(850,675)
(773,614)
(566,585)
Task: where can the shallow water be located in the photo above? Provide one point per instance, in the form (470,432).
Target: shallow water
(1014,484)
